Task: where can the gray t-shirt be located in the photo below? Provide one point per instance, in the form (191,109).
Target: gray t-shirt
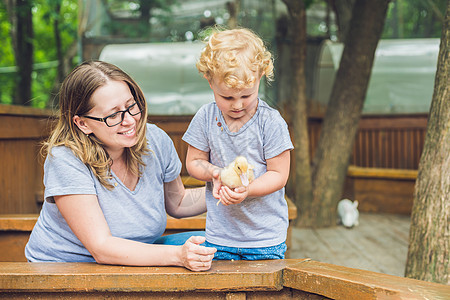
(256,221)
(137,215)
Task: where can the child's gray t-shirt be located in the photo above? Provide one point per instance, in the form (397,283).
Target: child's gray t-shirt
(256,221)
(137,215)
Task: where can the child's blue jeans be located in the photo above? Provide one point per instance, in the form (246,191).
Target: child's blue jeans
(233,253)
(226,253)
(178,239)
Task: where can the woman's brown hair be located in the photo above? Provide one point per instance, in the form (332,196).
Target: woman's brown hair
(75,99)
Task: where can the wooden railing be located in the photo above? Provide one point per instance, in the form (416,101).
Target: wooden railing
(381,190)
(275,279)
(382,142)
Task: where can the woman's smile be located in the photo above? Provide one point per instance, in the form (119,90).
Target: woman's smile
(130,132)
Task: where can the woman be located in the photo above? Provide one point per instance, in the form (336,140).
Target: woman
(110,178)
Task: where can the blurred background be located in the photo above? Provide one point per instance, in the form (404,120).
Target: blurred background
(158,43)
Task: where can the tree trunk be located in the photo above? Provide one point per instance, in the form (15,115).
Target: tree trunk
(20,16)
(58,43)
(233,8)
(303,185)
(283,75)
(428,253)
(343,11)
(344,110)
(144,23)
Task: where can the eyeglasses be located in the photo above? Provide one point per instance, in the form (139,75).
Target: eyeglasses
(117,117)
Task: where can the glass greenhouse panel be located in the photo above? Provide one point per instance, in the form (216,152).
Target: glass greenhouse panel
(402,78)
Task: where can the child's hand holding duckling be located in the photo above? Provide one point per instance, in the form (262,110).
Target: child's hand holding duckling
(231,185)
(232,196)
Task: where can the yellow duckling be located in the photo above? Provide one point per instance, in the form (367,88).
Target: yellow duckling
(237,173)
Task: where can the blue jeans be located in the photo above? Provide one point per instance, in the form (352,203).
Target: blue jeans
(232,253)
(178,239)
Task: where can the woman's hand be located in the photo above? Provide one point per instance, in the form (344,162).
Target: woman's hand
(195,257)
(232,196)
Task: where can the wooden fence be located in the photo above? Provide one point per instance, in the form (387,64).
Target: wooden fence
(393,142)
(382,142)
(21,132)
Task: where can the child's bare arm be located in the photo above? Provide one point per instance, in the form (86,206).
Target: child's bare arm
(198,165)
(274,179)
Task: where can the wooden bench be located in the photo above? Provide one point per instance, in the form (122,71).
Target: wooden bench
(369,187)
(15,229)
(275,279)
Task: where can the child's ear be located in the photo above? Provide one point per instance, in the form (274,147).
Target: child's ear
(261,76)
(209,80)
(81,124)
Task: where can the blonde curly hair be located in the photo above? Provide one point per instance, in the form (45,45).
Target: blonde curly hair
(75,99)
(234,56)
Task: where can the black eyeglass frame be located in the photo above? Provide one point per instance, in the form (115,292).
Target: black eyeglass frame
(114,114)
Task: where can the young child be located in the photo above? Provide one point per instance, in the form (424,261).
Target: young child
(250,222)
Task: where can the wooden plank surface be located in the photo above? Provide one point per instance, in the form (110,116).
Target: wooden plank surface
(6,109)
(379,195)
(232,279)
(338,282)
(242,275)
(379,244)
(360,172)
(17,222)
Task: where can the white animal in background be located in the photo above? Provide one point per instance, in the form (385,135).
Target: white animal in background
(348,213)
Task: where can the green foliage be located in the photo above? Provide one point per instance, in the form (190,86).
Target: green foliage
(44,16)
(406,19)
(415,19)
(6,58)
(45,52)
(204,34)
(131,19)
